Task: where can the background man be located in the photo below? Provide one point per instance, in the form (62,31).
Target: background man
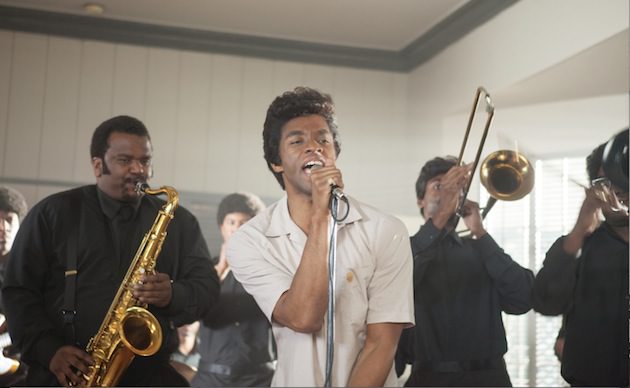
(585,277)
(236,340)
(12,210)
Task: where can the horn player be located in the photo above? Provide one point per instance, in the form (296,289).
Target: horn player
(74,248)
(585,278)
(461,288)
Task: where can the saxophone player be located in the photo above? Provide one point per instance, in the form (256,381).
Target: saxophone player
(73,250)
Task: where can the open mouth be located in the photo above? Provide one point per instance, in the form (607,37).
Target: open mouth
(312,165)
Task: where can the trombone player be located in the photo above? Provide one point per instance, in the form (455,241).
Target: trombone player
(461,286)
(585,278)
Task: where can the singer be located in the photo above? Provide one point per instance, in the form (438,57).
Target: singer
(280,257)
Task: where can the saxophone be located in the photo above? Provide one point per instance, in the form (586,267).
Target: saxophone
(128,328)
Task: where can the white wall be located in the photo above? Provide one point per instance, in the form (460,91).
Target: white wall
(204,112)
(524,40)
(510,50)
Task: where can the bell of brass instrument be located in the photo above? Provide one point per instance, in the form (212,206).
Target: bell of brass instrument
(128,328)
(507,175)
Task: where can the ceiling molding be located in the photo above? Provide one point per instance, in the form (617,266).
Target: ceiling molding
(456,25)
(466,18)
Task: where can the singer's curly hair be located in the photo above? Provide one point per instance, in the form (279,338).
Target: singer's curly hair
(302,101)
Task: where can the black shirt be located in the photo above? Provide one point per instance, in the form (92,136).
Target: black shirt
(235,334)
(461,286)
(592,292)
(34,286)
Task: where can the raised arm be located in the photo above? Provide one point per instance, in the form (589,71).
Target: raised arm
(556,279)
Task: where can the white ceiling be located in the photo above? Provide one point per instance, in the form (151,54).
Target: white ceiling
(388,25)
(566,80)
(375,24)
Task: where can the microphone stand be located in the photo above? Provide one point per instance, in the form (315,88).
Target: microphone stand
(330,318)
(332,260)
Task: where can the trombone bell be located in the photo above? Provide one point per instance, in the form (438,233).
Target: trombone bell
(507,175)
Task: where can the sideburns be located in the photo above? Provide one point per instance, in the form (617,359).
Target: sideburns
(106,170)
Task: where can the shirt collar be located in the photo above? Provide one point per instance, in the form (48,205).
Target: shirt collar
(281,223)
(453,234)
(111,206)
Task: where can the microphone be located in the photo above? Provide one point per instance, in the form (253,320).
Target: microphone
(334,189)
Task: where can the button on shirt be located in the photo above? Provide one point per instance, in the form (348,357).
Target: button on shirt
(120,216)
(373,285)
(462,287)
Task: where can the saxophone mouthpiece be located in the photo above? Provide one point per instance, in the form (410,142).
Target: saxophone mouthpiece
(141,187)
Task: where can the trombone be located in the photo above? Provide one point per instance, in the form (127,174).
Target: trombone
(507,175)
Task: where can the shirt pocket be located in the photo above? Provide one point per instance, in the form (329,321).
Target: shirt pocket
(352,300)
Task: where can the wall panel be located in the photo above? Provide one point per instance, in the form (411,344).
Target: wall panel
(318,77)
(287,76)
(258,92)
(205,113)
(95,101)
(25,105)
(130,80)
(61,104)
(225,109)
(192,120)
(161,111)
(6,48)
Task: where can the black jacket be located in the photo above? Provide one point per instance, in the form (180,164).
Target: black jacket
(461,287)
(34,286)
(592,293)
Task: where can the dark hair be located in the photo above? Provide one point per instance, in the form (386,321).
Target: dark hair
(594,161)
(123,124)
(302,101)
(12,200)
(431,169)
(246,203)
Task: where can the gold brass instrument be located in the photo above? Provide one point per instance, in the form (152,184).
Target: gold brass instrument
(507,175)
(490,111)
(128,328)
(602,189)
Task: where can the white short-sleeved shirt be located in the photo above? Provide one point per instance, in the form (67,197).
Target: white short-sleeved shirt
(373,283)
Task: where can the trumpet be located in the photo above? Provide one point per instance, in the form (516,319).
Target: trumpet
(602,190)
(614,164)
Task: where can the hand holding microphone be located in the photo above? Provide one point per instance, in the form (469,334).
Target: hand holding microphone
(336,193)
(335,189)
